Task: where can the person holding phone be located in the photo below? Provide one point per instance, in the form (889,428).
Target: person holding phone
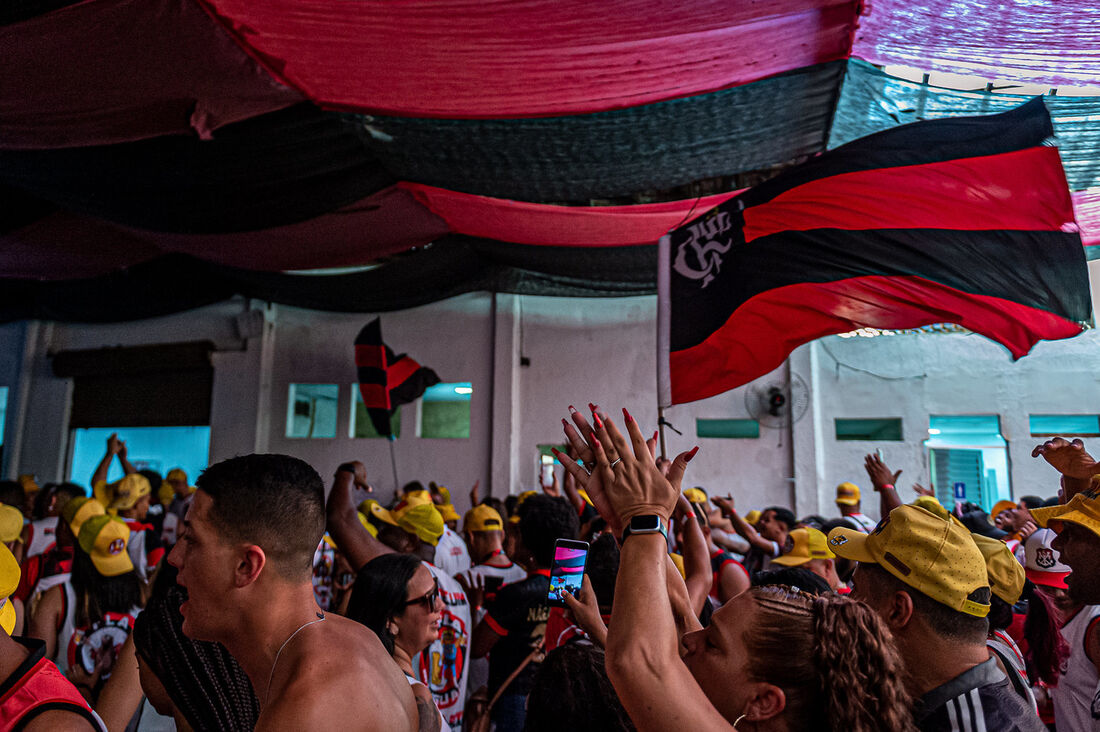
(514,625)
(753,664)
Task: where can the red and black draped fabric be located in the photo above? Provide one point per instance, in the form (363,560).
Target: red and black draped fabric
(965,220)
(387,381)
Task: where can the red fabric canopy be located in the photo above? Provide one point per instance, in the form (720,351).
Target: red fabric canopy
(108,71)
(535,223)
(1044,41)
(1086,207)
(529,58)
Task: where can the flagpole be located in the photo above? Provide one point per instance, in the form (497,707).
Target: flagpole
(393,463)
(664,317)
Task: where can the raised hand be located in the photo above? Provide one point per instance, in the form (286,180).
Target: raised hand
(724,504)
(114,445)
(625,481)
(920,490)
(1068,458)
(474,494)
(879,473)
(122,449)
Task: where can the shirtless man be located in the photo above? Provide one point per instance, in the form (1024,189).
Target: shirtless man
(245,558)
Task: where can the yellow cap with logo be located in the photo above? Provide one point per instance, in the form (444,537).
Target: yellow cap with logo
(414,498)
(752,517)
(483,518)
(1083,509)
(935,557)
(1006,574)
(808,544)
(847,494)
(9,581)
(104,539)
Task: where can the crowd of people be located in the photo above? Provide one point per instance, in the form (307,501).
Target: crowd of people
(251,601)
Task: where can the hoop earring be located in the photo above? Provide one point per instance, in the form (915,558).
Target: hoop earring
(738,720)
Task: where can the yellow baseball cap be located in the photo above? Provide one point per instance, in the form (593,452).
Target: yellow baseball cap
(9,581)
(1083,509)
(127,492)
(483,518)
(367,524)
(166,493)
(696,495)
(176,474)
(11,523)
(104,539)
(847,494)
(414,498)
(373,509)
(79,510)
(424,521)
(29,485)
(999,506)
(448,512)
(809,544)
(1006,574)
(935,557)
(752,517)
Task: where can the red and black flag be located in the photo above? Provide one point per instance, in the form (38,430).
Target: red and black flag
(965,220)
(387,381)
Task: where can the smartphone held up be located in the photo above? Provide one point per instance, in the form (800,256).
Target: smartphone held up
(567,570)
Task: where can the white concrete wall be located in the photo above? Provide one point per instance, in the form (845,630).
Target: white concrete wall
(579,350)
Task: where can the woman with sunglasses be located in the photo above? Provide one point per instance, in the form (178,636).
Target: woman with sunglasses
(396,596)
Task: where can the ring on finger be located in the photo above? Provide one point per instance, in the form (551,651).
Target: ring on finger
(616,462)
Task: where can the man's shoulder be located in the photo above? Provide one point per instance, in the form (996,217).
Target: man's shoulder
(340,675)
(995,704)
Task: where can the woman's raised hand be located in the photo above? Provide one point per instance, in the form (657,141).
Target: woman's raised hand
(622,477)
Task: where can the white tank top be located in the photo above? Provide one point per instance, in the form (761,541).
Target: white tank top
(443,726)
(85,643)
(1077,684)
(1002,644)
(42,536)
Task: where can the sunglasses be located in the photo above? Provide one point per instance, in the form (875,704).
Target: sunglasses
(427,600)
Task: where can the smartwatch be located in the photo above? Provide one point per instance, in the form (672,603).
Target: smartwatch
(645,524)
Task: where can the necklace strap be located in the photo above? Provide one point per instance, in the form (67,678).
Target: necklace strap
(271,676)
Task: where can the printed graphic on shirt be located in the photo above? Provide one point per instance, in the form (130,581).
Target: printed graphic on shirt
(98,646)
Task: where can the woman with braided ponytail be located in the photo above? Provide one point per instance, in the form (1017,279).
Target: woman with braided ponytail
(193,680)
(772,658)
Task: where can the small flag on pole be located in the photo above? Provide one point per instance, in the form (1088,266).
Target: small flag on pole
(965,220)
(387,381)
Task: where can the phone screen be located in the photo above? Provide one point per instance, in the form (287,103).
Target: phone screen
(567,571)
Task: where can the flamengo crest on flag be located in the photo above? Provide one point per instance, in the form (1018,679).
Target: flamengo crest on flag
(963,220)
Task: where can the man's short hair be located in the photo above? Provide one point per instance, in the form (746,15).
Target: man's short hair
(948,623)
(1031,502)
(542,521)
(11,493)
(276,502)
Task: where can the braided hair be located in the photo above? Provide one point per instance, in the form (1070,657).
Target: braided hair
(207,685)
(832,657)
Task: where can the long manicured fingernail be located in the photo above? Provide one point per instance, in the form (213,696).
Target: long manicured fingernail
(691,454)
(555,451)
(626,415)
(572,409)
(596,443)
(654,435)
(599,422)
(564,423)
(593,407)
